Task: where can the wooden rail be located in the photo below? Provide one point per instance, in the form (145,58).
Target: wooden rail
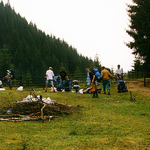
(40,81)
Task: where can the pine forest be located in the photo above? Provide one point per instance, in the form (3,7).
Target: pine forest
(30,52)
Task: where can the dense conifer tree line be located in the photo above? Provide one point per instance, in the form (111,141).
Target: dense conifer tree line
(29,51)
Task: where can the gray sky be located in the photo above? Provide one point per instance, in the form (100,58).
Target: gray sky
(91,26)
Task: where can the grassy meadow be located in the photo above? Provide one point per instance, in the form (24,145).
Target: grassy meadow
(110,122)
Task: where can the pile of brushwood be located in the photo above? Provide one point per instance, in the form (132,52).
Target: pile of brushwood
(34,111)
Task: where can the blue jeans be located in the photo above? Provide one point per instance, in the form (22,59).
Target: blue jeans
(106,84)
(63,83)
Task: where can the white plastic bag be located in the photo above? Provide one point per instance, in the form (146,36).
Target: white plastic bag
(2,89)
(20,88)
(81,91)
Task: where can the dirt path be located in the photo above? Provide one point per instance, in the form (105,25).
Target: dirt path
(138,86)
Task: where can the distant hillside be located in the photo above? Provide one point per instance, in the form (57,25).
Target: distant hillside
(30,51)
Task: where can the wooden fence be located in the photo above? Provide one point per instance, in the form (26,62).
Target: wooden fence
(140,76)
(40,81)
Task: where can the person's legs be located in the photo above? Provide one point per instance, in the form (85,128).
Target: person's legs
(95,94)
(52,85)
(47,83)
(104,85)
(70,85)
(10,86)
(118,85)
(63,83)
(107,86)
(9,83)
(93,86)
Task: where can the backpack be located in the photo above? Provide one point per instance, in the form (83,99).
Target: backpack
(122,87)
(59,87)
(12,73)
(97,74)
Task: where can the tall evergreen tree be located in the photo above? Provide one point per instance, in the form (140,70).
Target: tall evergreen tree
(139,14)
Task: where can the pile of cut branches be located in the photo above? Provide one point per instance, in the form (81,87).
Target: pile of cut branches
(35,110)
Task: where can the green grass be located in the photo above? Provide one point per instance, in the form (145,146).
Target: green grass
(108,122)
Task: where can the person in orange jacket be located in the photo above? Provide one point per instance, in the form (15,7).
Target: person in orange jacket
(106,75)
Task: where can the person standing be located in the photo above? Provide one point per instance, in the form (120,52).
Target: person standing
(93,81)
(49,78)
(88,79)
(63,77)
(9,79)
(106,75)
(119,75)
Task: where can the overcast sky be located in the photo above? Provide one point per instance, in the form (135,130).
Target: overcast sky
(91,26)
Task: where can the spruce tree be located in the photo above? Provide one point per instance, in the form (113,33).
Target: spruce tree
(139,14)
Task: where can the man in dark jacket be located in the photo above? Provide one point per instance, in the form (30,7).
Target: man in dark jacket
(63,77)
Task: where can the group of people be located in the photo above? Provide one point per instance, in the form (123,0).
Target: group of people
(106,75)
(50,78)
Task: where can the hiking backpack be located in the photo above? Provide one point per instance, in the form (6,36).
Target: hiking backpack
(122,87)
(12,73)
(97,74)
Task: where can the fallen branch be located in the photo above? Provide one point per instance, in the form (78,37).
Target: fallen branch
(42,112)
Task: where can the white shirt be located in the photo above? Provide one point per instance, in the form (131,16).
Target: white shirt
(118,71)
(49,74)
